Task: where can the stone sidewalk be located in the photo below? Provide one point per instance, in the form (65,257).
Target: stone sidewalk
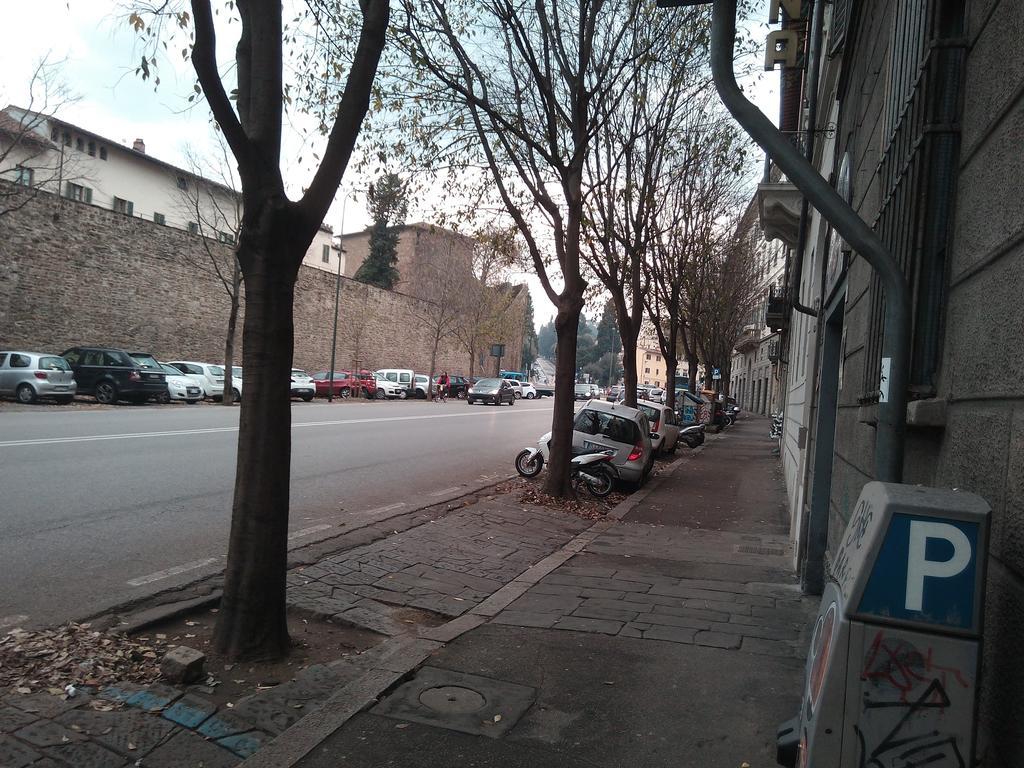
(578,634)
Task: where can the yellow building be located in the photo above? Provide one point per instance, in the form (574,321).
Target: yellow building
(650,363)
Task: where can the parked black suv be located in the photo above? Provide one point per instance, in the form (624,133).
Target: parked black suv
(110,375)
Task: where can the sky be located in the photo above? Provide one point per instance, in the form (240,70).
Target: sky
(99,53)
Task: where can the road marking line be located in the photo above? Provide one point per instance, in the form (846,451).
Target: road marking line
(446,491)
(216,430)
(12,620)
(388,508)
(308,531)
(168,572)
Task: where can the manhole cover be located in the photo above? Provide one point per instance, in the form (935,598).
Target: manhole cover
(452,699)
(752,550)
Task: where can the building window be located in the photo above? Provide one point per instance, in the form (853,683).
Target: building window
(103,153)
(67,139)
(193,228)
(124,206)
(158,218)
(647,370)
(182,183)
(92,149)
(647,357)
(226,237)
(24,176)
(54,135)
(77,192)
(80,144)
(326,254)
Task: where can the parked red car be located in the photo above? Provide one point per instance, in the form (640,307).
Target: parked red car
(346,384)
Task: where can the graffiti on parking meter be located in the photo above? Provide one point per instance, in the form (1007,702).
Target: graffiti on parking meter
(906,695)
(849,554)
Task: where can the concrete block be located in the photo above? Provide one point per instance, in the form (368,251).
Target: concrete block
(182,665)
(926,413)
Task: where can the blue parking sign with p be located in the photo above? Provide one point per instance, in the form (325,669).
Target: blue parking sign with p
(926,571)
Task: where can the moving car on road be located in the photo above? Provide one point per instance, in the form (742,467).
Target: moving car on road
(28,376)
(112,374)
(581,392)
(494,391)
(601,425)
(180,386)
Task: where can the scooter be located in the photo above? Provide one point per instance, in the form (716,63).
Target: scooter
(692,435)
(592,469)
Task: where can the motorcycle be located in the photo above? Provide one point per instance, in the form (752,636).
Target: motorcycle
(592,469)
(692,435)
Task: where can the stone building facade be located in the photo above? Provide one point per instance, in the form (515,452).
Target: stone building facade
(920,123)
(74,273)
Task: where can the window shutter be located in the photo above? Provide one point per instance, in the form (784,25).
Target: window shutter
(129,208)
(840,23)
(88,194)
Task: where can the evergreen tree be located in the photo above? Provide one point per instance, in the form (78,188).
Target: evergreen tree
(546,339)
(388,205)
(607,331)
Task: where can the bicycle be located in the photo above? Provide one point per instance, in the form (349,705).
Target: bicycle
(440,394)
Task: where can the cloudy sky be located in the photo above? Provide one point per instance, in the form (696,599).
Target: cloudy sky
(100,53)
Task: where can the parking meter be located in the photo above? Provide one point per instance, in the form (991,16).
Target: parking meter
(893,665)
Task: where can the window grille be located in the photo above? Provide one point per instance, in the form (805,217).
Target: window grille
(916,178)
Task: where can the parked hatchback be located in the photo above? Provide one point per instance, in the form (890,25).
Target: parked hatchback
(110,374)
(664,426)
(210,378)
(29,376)
(601,425)
(302,385)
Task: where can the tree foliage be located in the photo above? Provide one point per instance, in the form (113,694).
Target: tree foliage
(388,204)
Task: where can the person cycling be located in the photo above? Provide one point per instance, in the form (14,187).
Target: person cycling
(443,383)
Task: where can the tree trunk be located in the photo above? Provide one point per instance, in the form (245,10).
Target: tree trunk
(567,323)
(252,621)
(691,370)
(630,375)
(229,339)
(671,364)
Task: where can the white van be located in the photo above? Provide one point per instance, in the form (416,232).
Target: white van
(403,377)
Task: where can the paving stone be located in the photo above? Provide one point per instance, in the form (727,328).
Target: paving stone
(46,733)
(754,630)
(187,750)
(604,594)
(673,634)
(715,605)
(692,613)
(451,606)
(793,615)
(617,585)
(120,691)
(190,711)
(224,723)
(14,754)
(245,744)
(130,732)
(374,620)
(604,613)
(584,570)
(602,626)
(630,631)
(12,718)
(543,588)
(535,603)
(86,754)
(779,648)
(717,640)
(44,704)
(617,605)
(154,698)
(526,619)
(670,620)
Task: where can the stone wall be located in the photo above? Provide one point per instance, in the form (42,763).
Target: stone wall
(72,273)
(981,376)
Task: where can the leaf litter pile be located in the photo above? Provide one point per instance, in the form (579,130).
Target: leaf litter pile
(75,655)
(584,505)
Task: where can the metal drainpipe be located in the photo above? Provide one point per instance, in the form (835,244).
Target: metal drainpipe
(813,70)
(892,407)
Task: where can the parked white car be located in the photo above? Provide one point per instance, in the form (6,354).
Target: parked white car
(386,388)
(665,426)
(655,395)
(180,386)
(303,385)
(208,376)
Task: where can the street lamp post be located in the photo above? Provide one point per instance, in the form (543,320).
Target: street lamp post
(337,297)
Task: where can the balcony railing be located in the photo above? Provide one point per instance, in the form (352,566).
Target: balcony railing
(776,314)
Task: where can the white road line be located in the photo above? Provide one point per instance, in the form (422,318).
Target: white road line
(388,508)
(446,491)
(216,430)
(12,620)
(168,572)
(308,531)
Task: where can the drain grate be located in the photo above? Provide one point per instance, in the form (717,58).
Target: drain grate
(750,549)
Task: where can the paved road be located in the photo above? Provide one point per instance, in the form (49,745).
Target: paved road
(99,506)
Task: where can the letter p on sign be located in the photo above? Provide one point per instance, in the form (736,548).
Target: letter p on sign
(919,567)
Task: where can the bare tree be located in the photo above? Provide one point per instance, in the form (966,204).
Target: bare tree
(441,289)
(274,236)
(629,169)
(529,102)
(32,145)
(212,201)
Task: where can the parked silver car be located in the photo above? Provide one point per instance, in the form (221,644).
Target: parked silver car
(600,425)
(664,426)
(29,376)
